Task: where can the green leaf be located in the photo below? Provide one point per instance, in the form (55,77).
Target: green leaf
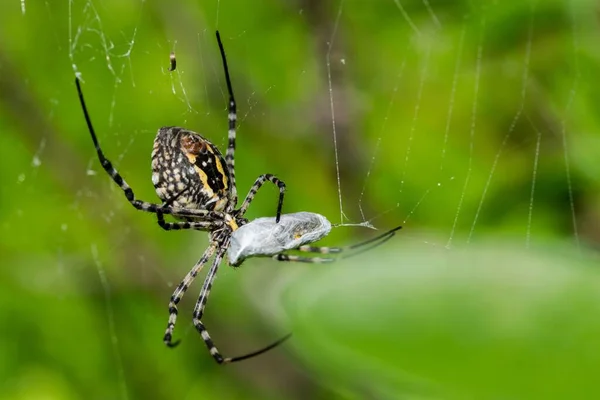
(485,321)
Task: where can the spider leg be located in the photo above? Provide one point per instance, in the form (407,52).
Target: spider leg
(207,225)
(257,185)
(232,118)
(180,291)
(374,242)
(199,311)
(363,246)
(310,260)
(196,225)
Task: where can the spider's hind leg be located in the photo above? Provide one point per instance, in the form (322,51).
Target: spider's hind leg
(231,118)
(209,225)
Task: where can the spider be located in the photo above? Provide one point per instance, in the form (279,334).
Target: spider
(196,185)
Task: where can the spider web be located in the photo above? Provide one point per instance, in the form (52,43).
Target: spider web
(374,115)
(469,134)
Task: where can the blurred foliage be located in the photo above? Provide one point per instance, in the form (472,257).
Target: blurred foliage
(473,124)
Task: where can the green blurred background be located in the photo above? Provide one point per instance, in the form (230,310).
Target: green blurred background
(475,125)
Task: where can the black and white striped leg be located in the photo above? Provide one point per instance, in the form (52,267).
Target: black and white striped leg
(311,260)
(369,243)
(232,118)
(362,247)
(180,291)
(257,185)
(196,225)
(199,311)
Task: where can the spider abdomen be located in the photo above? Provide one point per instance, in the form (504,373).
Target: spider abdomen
(188,171)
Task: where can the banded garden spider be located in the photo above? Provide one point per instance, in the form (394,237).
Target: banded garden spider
(197,186)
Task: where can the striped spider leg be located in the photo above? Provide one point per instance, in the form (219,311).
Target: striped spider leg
(345,250)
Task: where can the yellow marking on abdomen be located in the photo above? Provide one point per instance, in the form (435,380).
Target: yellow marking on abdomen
(219,166)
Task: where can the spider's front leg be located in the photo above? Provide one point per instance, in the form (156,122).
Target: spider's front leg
(362,246)
(201,304)
(180,291)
